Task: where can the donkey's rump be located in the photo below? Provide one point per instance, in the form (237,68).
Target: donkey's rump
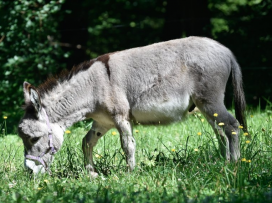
(159,80)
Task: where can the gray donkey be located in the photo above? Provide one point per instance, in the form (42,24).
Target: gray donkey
(154,84)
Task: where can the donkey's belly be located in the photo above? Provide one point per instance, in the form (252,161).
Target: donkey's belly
(160,113)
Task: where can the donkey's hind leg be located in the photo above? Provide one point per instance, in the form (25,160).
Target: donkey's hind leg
(89,142)
(225,126)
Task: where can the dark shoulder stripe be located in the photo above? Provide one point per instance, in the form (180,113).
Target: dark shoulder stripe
(105,59)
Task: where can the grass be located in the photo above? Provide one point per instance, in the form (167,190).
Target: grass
(175,163)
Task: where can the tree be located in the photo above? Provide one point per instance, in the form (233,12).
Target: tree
(27,51)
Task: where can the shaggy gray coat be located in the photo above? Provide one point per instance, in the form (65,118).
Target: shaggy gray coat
(150,85)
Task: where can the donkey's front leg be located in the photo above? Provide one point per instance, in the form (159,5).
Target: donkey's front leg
(127,141)
(89,142)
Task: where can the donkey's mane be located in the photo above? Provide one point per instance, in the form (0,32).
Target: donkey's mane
(65,75)
(53,80)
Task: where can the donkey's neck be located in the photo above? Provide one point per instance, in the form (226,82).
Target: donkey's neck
(72,100)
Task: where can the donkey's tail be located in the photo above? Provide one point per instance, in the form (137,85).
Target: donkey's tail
(239,96)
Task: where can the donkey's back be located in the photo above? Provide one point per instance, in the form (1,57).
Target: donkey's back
(160,82)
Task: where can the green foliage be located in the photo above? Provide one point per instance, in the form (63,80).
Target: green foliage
(243,22)
(39,38)
(28,51)
(135,24)
(243,26)
(169,169)
(109,26)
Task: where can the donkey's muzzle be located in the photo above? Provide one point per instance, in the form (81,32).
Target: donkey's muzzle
(32,167)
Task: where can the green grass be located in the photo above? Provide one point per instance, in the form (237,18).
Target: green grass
(168,167)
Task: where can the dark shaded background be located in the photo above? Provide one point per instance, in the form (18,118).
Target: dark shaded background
(38,38)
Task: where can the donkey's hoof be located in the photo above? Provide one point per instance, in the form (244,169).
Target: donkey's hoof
(91,171)
(93,175)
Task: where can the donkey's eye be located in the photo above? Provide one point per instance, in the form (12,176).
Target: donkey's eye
(34,140)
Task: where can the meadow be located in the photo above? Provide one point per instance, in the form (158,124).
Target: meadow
(175,163)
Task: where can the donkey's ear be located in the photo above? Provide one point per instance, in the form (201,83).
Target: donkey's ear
(26,88)
(32,96)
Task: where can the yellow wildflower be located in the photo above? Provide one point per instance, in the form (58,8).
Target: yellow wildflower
(202,120)
(136,131)
(113,133)
(240,127)
(115,178)
(245,134)
(39,188)
(247,141)
(215,114)
(173,150)
(243,159)
(199,133)
(98,156)
(233,133)
(5,117)
(67,131)
(251,116)
(248,161)
(46,181)
(221,124)
(196,150)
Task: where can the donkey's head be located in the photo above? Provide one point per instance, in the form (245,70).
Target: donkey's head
(41,138)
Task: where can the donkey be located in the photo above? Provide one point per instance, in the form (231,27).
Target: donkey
(154,84)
